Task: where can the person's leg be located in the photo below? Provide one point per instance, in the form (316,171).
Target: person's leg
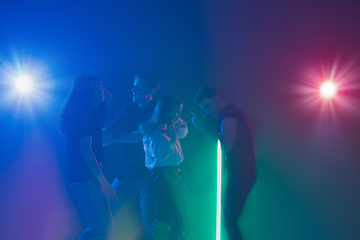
(95,208)
(147,211)
(158,206)
(178,230)
(237,191)
(232,210)
(181,221)
(126,191)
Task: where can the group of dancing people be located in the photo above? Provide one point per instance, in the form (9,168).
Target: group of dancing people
(150,162)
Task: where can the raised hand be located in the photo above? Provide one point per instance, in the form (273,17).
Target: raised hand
(170,131)
(197,119)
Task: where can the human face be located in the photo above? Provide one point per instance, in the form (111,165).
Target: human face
(139,91)
(211,106)
(175,113)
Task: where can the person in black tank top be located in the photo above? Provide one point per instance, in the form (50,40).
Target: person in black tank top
(237,142)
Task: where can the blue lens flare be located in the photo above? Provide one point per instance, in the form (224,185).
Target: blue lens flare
(26,86)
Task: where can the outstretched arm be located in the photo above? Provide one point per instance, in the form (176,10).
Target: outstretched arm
(133,137)
(228,133)
(90,160)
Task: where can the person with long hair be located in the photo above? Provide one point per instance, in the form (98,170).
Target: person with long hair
(80,121)
(163,157)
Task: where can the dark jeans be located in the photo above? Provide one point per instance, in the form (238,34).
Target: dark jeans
(126,191)
(163,199)
(237,190)
(95,208)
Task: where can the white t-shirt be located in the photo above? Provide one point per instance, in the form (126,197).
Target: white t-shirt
(160,152)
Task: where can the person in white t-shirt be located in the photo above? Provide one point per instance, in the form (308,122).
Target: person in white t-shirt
(163,156)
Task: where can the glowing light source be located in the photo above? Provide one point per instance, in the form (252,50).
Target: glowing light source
(218,195)
(328,89)
(24,84)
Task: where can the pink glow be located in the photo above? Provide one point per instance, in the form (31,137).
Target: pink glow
(329,97)
(328,89)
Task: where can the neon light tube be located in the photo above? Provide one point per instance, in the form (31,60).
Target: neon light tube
(218,195)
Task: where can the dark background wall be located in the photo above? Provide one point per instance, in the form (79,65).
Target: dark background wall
(268,57)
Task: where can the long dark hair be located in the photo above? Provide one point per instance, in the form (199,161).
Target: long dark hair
(164,105)
(80,97)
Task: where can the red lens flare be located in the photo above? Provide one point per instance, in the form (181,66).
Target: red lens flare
(325,87)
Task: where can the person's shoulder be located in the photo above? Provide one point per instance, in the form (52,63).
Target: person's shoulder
(231,110)
(233,106)
(80,119)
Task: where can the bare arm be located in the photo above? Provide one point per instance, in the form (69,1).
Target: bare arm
(228,133)
(181,128)
(133,137)
(90,160)
(199,124)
